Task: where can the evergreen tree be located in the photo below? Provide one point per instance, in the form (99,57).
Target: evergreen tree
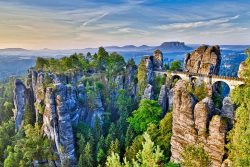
(129,136)
(149,111)
(114,147)
(86,158)
(97,128)
(142,76)
(239,140)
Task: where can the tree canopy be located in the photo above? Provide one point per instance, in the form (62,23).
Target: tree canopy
(149,111)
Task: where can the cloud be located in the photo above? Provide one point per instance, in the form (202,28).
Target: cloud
(229,30)
(94,19)
(129,30)
(190,25)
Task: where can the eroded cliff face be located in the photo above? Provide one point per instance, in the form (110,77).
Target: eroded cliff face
(158,60)
(197,123)
(203,60)
(61,101)
(19,102)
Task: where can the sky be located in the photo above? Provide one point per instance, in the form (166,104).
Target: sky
(71,24)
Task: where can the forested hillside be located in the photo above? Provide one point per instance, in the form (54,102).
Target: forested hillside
(98,110)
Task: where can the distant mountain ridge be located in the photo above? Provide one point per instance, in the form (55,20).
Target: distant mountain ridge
(174,46)
(13,50)
(165,47)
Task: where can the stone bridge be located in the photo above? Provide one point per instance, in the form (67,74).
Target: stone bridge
(232,82)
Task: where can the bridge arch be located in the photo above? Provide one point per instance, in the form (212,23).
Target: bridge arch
(222,87)
(174,79)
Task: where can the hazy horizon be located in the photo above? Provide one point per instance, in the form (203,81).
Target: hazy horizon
(80,24)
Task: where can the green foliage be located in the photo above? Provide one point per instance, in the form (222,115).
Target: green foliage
(149,111)
(33,146)
(86,158)
(6,100)
(102,59)
(115,64)
(75,62)
(161,135)
(39,106)
(194,156)
(239,140)
(171,164)
(142,76)
(131,62)
(200,91)
(149,156)
(114,147)
(132,150)
(113,160)
(7,131)
(124,104)
(239,144)
(175,65)
(29,115)
(217,99)
(157,83)
(91,96)
(166,67)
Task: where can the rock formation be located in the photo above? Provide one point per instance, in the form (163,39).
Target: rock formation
(203,60)
(148,92)
(154,62)
(196,123)
(241,70)
(130,80)
(183,129)
(149,69)
(60,101)
(228,111)
(163,99)
(57,122)
(19,102)
(158,60)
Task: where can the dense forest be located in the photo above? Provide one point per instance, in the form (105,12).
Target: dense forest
(132,131)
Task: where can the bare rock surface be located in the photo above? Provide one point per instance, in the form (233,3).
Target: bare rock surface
(148,92)
(19,102)
(163,99)
(204,60)
(195,123)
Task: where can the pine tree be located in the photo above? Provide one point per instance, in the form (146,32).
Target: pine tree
(114,147)
(129,136)
(87,156)
(150,155)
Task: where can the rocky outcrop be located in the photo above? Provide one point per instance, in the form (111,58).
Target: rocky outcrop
(130,83)
(97,111)
(57,122)
(170,98)
(148,92)
(149,69)
(196,123)
(163,99)
(183,126)
(215,144)
(228,111)
(153,63)
(19,102)
(242,69)
(61,101)
(158,60)
(203,60)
